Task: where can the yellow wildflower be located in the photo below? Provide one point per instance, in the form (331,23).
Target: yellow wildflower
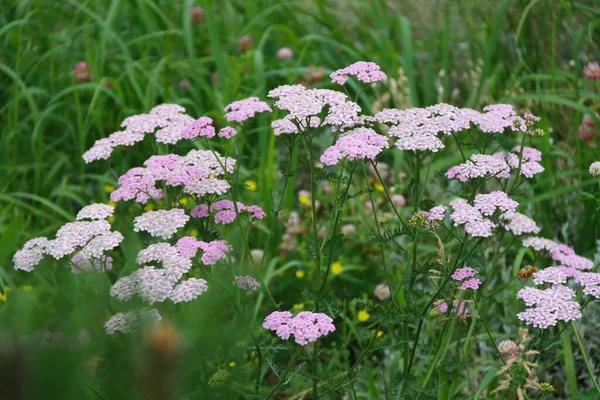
(379,333)
(109,188)
(336,268)
(232,364)
(363,315)
(299,307)
(148,207)
(251,185)
(111,219)
(304,199)
(300,274)
(2,297)
(194,232)
(379,187)
(184,201)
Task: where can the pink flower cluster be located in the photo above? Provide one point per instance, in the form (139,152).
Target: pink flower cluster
(168,117)
(213,251)
(91,238)
(201,127)
(226,212)
(518,223)
(434,216)
(588,128)
(466,274)
(498,165)
(242,110)
(306,327)
(246,282)
(161,223)
(198,172)
(366,72)
(559,252)
(590,282)
(358,144)
(474,217)
(547,307)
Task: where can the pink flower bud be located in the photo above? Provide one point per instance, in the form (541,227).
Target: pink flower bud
(285,53)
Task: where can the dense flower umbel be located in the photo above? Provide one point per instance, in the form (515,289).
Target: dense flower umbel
(242,110)
(305,327)
(200,127)
(547,307)
(366,72)
(358,144)
(226,212)
(198,172)
(161,223)
(95,211)
(167,118)
(474,217)
(559,252)
(91,238)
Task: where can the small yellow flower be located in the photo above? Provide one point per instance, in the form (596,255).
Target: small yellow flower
(363,315)
(8,289)
(184,201)
(336,268)
(251,185)
(2,297)
(112,204)
(304,200)
(111,219)
(379,187)
(194,232)
(300,274)
(148,207)
(299,307)
(232,364)
(27,288)
(109,188)
(379,333)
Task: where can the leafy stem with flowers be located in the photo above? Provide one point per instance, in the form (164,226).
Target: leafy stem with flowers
(431,256)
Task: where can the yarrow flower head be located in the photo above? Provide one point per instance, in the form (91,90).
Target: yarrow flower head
(161,223)
(95,211)
(358,144)
(518,223)
(131,321)
(227,132)
(366,72)
(188,290)
(382,291)
(547,307)
(242,110)
(463,273)
(200,127)
(590,282)
(306,327)
(167,118)
(246,282)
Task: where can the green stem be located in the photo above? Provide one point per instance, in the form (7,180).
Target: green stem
(286,371)
(585,357)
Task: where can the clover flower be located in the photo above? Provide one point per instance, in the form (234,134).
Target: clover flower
(518,223)
(188,290)
(167,118)
(592,71)
(81,72)
(595,168)
(242,110)
(358,144)
(131,321)
(161,223)
(246,282)
(285,53)
(508,348)
(547,307)
(95,211)
(382,291)
(306,327)
(366,72)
